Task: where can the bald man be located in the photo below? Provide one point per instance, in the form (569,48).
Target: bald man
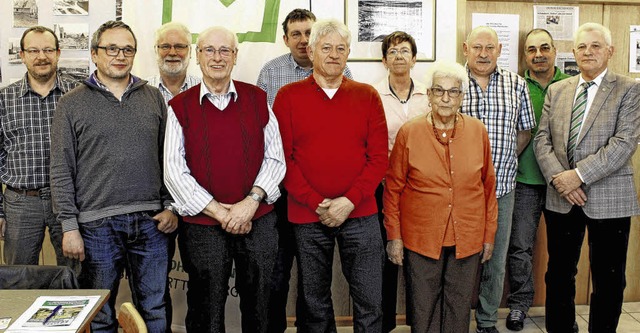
(500,99)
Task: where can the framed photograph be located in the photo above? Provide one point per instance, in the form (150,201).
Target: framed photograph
(72,36)
(371,20)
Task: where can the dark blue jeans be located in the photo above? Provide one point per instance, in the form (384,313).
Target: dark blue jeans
(529,201)
(362,258)
(132,242)
(208,253)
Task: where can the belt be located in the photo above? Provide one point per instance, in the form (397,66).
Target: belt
(43,191)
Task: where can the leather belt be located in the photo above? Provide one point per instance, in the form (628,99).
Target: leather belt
(43,191)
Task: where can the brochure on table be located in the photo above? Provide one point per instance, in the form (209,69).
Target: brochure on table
(55,314)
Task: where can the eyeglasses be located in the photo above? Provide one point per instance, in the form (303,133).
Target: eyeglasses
(404,52)
(543,49)
(453,92)
(178,47)
(210,51)
(113,50)
(33,52)
(340,49)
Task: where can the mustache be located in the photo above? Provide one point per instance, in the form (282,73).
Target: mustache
(42,62)
(539,60)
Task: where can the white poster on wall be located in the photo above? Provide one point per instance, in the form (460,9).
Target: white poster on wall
(566,61)
(507,27)
(560,21)
(634,49)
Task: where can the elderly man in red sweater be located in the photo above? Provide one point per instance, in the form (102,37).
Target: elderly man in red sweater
(334,136)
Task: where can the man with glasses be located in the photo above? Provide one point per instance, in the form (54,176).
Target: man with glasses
(173,50)
(106,180)
(335,141)
(287,68)
(26,111)
(500,99)
(589,131)
(223,163)
(540,56)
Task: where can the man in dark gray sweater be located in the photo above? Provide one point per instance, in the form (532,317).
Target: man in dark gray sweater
(106,179)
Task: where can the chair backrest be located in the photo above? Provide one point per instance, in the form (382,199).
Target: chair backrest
(130,319)
(37,277)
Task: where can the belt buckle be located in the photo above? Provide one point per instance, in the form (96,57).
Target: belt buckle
(44,193)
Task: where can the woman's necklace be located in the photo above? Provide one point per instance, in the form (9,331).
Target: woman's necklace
(444,133)
(408,95)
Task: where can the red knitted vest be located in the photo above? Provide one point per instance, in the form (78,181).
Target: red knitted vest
(224,149)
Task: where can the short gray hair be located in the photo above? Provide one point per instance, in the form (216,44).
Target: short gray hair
(450,69)
(591,26)
(206,32)
(173,26)
(324,27)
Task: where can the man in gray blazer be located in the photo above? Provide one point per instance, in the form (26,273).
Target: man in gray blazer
(588,132)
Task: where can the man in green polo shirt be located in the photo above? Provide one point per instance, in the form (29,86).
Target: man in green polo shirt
(540,55)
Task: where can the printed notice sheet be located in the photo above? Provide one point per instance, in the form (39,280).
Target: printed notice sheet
(506,26)
(560,21)
(55,314)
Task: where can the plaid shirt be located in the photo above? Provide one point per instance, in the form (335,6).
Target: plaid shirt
(156,81)
(505,109)
(25,122)
(281,71)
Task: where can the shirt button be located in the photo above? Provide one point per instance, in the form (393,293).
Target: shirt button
(450,189)
(449,205)
(451,155)
(452,172)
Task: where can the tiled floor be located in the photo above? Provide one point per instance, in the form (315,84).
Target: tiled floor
(629,321)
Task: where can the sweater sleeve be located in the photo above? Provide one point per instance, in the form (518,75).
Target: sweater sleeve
(376,151)
(294,181)
(63,167)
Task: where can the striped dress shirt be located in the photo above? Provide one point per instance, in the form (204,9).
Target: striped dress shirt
(156,81)
(190,197)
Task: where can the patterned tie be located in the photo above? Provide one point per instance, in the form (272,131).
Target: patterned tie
(577,113)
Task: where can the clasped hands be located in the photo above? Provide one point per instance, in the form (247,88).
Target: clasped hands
(234,218)
(333,212)
(567,183)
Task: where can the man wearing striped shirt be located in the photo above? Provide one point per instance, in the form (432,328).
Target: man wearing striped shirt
(26,110)
(173,50)
(223,163)
(500,99)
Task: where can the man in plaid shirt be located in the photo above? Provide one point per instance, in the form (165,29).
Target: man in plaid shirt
(26,110)
(500,99)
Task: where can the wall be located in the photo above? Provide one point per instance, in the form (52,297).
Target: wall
(617,16)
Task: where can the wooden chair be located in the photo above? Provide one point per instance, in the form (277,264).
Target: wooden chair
(130,319)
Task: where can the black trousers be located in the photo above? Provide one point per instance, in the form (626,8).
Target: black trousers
(389,276)
(608,241)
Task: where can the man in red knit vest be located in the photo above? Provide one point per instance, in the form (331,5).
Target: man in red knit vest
(223,163)
(334,135)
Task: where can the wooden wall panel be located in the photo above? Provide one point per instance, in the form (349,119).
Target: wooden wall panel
(618,18)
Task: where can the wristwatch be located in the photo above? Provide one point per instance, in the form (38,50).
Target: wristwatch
(255,196)
(171,209)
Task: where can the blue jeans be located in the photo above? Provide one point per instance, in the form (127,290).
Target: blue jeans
(132,242)
(362,258)
(492,277)
(529,201)
(27,218)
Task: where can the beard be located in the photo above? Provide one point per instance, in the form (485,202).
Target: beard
(172,68)
(43,76)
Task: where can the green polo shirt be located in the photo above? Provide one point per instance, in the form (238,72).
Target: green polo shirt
(528,170)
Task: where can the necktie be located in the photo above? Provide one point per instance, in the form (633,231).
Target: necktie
(577,113)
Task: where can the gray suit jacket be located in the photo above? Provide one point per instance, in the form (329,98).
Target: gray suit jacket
(608,139)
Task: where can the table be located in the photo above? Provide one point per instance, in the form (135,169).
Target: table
(14,302)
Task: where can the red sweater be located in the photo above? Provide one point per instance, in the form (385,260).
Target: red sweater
(333,147)
(224,149)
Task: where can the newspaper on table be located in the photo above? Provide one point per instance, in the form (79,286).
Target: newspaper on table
(72,312)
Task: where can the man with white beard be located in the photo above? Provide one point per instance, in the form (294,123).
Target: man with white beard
(173,47)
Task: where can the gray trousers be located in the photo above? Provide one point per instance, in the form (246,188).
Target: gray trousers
(440,291)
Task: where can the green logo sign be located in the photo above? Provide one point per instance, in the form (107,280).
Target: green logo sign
(267,33)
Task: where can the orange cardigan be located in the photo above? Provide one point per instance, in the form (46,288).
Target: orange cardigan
(420,193)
